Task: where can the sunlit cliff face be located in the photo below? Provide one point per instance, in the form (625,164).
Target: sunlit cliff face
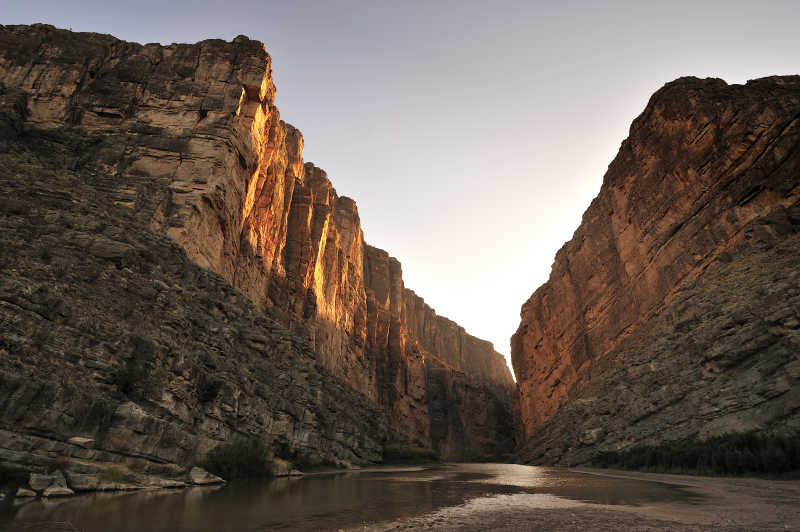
(206,159)
(707,175)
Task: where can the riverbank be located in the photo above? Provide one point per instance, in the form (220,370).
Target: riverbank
(731,504)
(452,496)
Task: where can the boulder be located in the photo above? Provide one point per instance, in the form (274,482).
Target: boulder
(280,468)
(39,482)
(200,477)
(197,124)
(57,491)
(156,482)
(82,481)
(117,486)
(86,443)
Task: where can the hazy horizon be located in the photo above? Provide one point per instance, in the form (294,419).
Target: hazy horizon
(472,136)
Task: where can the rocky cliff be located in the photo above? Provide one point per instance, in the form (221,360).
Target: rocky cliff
(675,309)
(186,140)
(116,349)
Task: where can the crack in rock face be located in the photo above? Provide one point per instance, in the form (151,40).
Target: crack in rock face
(185,276)
(671,313)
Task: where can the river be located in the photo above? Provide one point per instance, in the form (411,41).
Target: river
(351,499)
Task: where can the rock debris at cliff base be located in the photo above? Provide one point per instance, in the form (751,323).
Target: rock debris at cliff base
(174,273)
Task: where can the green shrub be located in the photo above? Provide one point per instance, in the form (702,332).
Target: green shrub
(116,474)
(99,415)
(243,457)
(404,453)
(729,454)
(208,389)
(134,378)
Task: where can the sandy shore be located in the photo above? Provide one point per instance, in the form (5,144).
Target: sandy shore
(725,504)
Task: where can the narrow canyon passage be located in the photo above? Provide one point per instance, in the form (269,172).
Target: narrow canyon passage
(198,332)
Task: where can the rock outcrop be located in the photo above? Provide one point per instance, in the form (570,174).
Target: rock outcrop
(674,310)
(116,349)
(185,141)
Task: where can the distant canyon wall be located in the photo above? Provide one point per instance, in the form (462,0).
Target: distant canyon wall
(673,311)
(196,146)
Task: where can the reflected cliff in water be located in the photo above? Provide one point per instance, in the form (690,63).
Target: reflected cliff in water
(325,501)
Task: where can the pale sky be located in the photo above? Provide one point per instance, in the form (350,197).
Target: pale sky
(472,134)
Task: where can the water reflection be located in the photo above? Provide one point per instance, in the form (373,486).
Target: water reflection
(324,501)
(578,486)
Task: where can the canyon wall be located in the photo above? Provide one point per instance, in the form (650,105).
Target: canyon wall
(673,311)
(117,351)
(188,138)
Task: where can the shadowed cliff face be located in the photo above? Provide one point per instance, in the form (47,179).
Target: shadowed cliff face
(108,333)
(649,318)
(188,138)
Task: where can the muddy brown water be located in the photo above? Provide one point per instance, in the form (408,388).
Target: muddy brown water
(325,501)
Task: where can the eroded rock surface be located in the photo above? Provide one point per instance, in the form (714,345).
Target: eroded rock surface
(143,359)
(200,477)
(673,310)
(185,141)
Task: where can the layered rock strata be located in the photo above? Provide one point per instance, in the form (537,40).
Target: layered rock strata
(188,138)
(115,349)
(673,311)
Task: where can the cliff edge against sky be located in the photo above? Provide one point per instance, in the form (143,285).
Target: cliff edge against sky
(674,311)
(185,141)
